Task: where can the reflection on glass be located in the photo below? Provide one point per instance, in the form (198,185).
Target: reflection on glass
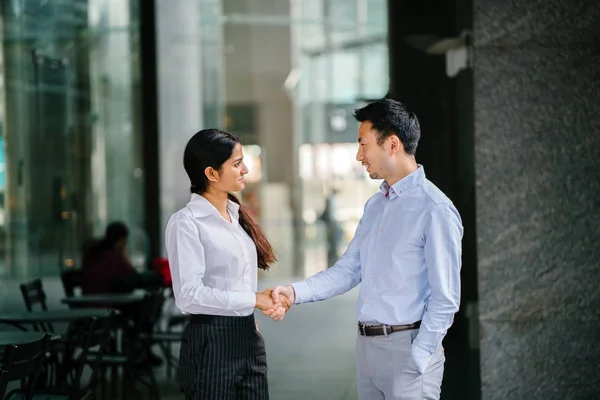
(287,75)
(336,188)
(69,118)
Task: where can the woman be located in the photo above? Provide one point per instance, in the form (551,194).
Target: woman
(215,249)
(105,265)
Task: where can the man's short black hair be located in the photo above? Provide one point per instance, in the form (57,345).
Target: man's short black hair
(390,117)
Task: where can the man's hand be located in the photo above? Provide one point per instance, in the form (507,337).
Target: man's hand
(266,302)
(284,295)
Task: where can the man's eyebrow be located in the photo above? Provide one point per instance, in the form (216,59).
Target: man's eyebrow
(238,159)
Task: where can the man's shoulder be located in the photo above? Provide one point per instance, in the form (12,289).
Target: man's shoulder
(376,197)
(433,194)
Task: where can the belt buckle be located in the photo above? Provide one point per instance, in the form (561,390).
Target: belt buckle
(361,329)
(385,331)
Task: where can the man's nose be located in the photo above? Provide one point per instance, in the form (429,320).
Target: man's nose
(359,155)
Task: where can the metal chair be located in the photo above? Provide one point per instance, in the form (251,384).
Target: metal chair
(71,280)
(34,295)
(23,363)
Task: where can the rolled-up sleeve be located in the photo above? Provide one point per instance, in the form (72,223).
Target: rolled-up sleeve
(443,259)
(186,256)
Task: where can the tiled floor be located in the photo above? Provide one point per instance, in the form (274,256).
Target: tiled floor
(310,353)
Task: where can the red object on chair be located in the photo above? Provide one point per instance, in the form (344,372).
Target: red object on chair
(161,265)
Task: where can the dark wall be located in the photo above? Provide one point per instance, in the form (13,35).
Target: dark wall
(444,106)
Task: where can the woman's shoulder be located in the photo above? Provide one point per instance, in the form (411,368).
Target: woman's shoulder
(181,218)
(183,224)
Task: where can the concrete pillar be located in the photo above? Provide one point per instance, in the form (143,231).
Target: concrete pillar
(257,63)
(537,69)
(179,97)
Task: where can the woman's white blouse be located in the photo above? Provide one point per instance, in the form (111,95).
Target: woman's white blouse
(213,262)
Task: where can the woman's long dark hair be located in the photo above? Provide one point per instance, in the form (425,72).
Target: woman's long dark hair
(211,148)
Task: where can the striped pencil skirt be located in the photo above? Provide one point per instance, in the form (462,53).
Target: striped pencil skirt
(223,358)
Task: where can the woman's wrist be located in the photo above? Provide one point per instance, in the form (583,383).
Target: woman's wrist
(260,301)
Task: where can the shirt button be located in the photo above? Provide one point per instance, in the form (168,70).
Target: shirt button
(372,277)
(381,230)
(376,254)
(367,302)
(387,208)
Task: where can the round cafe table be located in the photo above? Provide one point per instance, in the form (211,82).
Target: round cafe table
(18,319)
(15,338)
(104,300)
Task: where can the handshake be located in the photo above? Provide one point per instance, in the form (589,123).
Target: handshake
(276,302)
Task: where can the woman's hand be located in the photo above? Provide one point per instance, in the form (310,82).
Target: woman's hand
(265,302)
(281,294)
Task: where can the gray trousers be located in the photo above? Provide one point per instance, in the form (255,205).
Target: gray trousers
(385,369)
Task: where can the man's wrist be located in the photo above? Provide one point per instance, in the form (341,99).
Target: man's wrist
(293,291)
(301,291)
(421,356)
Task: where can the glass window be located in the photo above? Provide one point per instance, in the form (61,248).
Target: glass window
(70,125)
(291,74)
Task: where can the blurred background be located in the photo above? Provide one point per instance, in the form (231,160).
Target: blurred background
(99,97)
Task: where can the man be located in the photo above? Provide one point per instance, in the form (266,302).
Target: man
(407,253)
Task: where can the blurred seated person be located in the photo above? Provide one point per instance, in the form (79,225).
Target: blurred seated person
(106,267)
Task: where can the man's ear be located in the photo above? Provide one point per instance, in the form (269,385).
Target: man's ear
(395,144)
(211,174)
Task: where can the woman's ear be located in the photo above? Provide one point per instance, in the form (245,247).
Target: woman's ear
(211,174)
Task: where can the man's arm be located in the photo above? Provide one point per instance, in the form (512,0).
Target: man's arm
(343,276)
(340,278)
(443,259)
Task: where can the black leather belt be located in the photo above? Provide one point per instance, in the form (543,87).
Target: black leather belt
(222,320)
(381,330)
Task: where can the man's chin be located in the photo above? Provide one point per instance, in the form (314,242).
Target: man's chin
(373,175)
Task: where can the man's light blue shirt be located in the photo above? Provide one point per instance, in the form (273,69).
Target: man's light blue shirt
(406,252)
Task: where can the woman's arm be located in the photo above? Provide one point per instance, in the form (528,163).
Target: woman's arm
(186,255)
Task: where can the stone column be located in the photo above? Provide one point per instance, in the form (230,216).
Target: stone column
(537,74)
(257,63)
(179,97)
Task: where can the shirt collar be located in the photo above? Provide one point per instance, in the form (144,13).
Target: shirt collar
(405,184)
(201,207)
